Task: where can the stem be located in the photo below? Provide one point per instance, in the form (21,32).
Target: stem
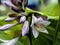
(30,36)
(56,34)
(30,30)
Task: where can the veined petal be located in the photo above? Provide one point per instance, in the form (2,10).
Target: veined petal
(10,19)
(35,32)
(25,28)
(7,26)
(44,30)
(22,19)
(46,23)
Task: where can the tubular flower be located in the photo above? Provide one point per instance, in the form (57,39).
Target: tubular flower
(22,19)
(12,17)
(38,25)
(7,26)
(25,28)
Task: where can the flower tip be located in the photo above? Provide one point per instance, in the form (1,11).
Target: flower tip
(6,27)
(10,19)
(22,19)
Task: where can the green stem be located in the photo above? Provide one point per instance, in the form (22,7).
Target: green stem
(56,34)
(30,31)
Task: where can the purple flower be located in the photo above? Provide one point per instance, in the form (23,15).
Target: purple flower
(7,26)
(22,19)
(8,3)
(25,28)
(38,25)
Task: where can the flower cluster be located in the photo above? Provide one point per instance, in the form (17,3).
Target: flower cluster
(38,24)
(16,5)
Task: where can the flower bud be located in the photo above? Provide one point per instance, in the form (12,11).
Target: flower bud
(7,26)
(22,19)
(25,28)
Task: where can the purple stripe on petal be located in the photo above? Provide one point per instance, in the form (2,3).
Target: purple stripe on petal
(7,26)
(25,28)
(10,19)
(22,19)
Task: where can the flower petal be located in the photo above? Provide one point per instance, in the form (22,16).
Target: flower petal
(40,19)
(25,28)
(8,3)
(35,32)
(7,26)
(44,30)
(10,42)
(22,19)
(46,23)
(34,20)
(10,19)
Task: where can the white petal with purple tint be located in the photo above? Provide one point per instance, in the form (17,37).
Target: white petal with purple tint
(44,30)
(35,32)
(10,19)
(38,25)
(8,2)
(7,26)
(25,28)
(34,20)
(22,19)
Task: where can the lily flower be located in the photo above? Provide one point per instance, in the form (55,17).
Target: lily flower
(9,42)
(25,28)
(38,25)
(7,26)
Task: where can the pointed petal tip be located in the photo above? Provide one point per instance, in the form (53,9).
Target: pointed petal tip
(35,32)
(44,30)
(6,27)
(22,19)
(10,19)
